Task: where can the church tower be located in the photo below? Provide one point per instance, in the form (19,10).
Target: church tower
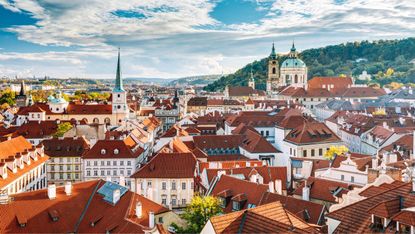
(251,82)
(21,98)
(273,71)
(294,70)
(120,108)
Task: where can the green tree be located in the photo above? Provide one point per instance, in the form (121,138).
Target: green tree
(335,150)
(198,212)
(7,96)
(62,129)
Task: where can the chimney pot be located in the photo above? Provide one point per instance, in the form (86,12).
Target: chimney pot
(52,191)
(138,209)
(151,219)
(68,188)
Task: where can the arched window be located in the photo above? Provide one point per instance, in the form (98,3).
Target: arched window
(274,70)
(103,151)
(95,120)
(295,79)
(107,121)
(85,120)
(116,151)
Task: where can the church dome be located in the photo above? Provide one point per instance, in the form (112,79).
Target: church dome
(293,63)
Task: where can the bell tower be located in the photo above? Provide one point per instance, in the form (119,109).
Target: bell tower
(119,96)
(251,82)
(273,71)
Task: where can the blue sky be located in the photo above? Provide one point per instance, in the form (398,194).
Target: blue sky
(167,38)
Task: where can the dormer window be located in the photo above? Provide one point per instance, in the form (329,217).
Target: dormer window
(236,205)
(116,151)
(103,151)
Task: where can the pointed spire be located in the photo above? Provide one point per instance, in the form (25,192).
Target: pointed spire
(273,55)
(118,80)
(22,88)
(293,51)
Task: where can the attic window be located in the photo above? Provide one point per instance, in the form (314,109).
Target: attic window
(54,215)
(103,151)
(116,151)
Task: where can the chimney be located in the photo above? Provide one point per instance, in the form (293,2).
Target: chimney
(138,209)
(52,191)
(68,188)
(306,192)
(151,219)
(122,181)
(278,187)
(271,187)
(116,194)
(221,172)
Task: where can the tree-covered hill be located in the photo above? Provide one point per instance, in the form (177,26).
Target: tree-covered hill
(386,60)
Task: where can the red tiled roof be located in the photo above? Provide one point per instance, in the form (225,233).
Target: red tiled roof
(168,165)
(309,212)
(357,216)
(325,82)
(107,149)
(321,189)
(66,147)
(35,208)
(312,132)
(268,218)
(253,191)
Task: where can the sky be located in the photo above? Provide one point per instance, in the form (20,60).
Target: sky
(178,38)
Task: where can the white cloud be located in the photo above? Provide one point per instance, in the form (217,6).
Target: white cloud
(171,38)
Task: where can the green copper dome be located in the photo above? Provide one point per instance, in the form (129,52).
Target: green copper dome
(293,63)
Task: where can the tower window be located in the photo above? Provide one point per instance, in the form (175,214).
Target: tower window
(119,107)
(273,70)
(119,95)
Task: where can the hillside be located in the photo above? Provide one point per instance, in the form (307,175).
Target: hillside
(194,80)
(350,59)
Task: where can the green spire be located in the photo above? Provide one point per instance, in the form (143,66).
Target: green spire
(293,52)
(293,47)
(118,81)
(252,74)
(273,55)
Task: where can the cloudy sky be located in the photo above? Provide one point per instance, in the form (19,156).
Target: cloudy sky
(176,38)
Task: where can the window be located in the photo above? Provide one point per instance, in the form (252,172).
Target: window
(184,201)
(68,167)
(342,177)
(108,173)
(291,151)
(163,201)
(149,184)
(116,151)
(102,173)
(102,163)
(173,185)
(88,173)
(128,172)
(88,163)
(114,172)
(52,176)
(121,172)
(163,186)
(121,163)
(95,173)
(352,179)
(108,163)
(68,176)
(76,176)
(235,205)
(312,153)
(76,167)
(320,152)
(128,163)
(304,153)
(61,176)
(95,163)
(61,168)
(103,151)
(183,185)
(160,219)
(267,133)
(114,163)
(52,168)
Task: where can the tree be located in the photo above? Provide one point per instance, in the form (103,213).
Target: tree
(198,212)
(7,96)
(334,151)
(62,129)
